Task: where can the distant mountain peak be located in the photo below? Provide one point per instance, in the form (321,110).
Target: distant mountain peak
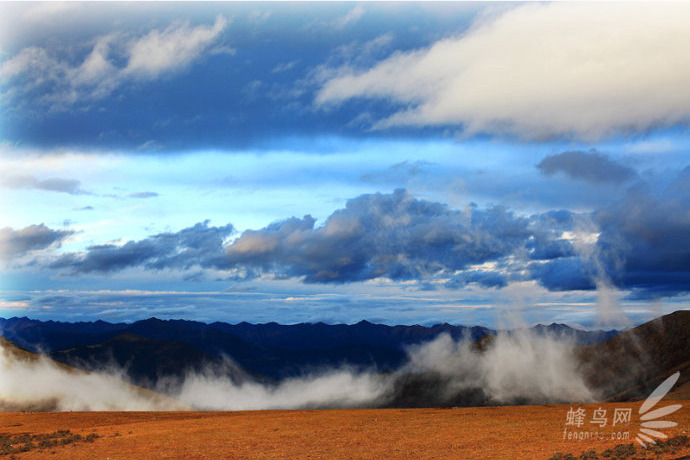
(152,319)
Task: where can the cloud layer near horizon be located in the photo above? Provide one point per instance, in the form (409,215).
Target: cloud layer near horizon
(537,71)
(401,238)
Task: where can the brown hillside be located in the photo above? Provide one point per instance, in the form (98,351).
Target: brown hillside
(630,365)
(14,355)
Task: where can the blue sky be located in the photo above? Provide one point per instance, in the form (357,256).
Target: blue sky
(397,162)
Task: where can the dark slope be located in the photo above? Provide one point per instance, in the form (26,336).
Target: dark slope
(627,366)
(149,363)
(631,364)
(14,355)
(15,352)
(575,336)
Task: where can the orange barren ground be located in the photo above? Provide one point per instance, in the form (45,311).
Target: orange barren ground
(515,432)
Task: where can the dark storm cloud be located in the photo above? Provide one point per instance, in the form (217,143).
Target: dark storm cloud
(564,274)
(645,239)
(394,236)
(546,232)
(54,184)
(16,243)
(549,250)
(591,166)
(199,245)
(642,246)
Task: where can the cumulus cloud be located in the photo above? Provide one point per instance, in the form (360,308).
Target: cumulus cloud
(589,166)
(200,245)
(17,243)
(54,184)
(539,70)
(113,60)
(394,236)
(638,243)
(391,236)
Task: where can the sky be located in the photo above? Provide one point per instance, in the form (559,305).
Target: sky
(401,163)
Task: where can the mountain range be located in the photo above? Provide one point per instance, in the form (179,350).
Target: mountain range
(154,349)
(158,354)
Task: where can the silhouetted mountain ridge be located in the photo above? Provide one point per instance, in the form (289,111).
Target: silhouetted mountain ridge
(323,336)
(269,350)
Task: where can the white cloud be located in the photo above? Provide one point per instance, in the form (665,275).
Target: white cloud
(96,66)
(284,66)
(45,12)
(258,17)
(33,59)
(146,58)
(172,48)
(352,16)
(540,70)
